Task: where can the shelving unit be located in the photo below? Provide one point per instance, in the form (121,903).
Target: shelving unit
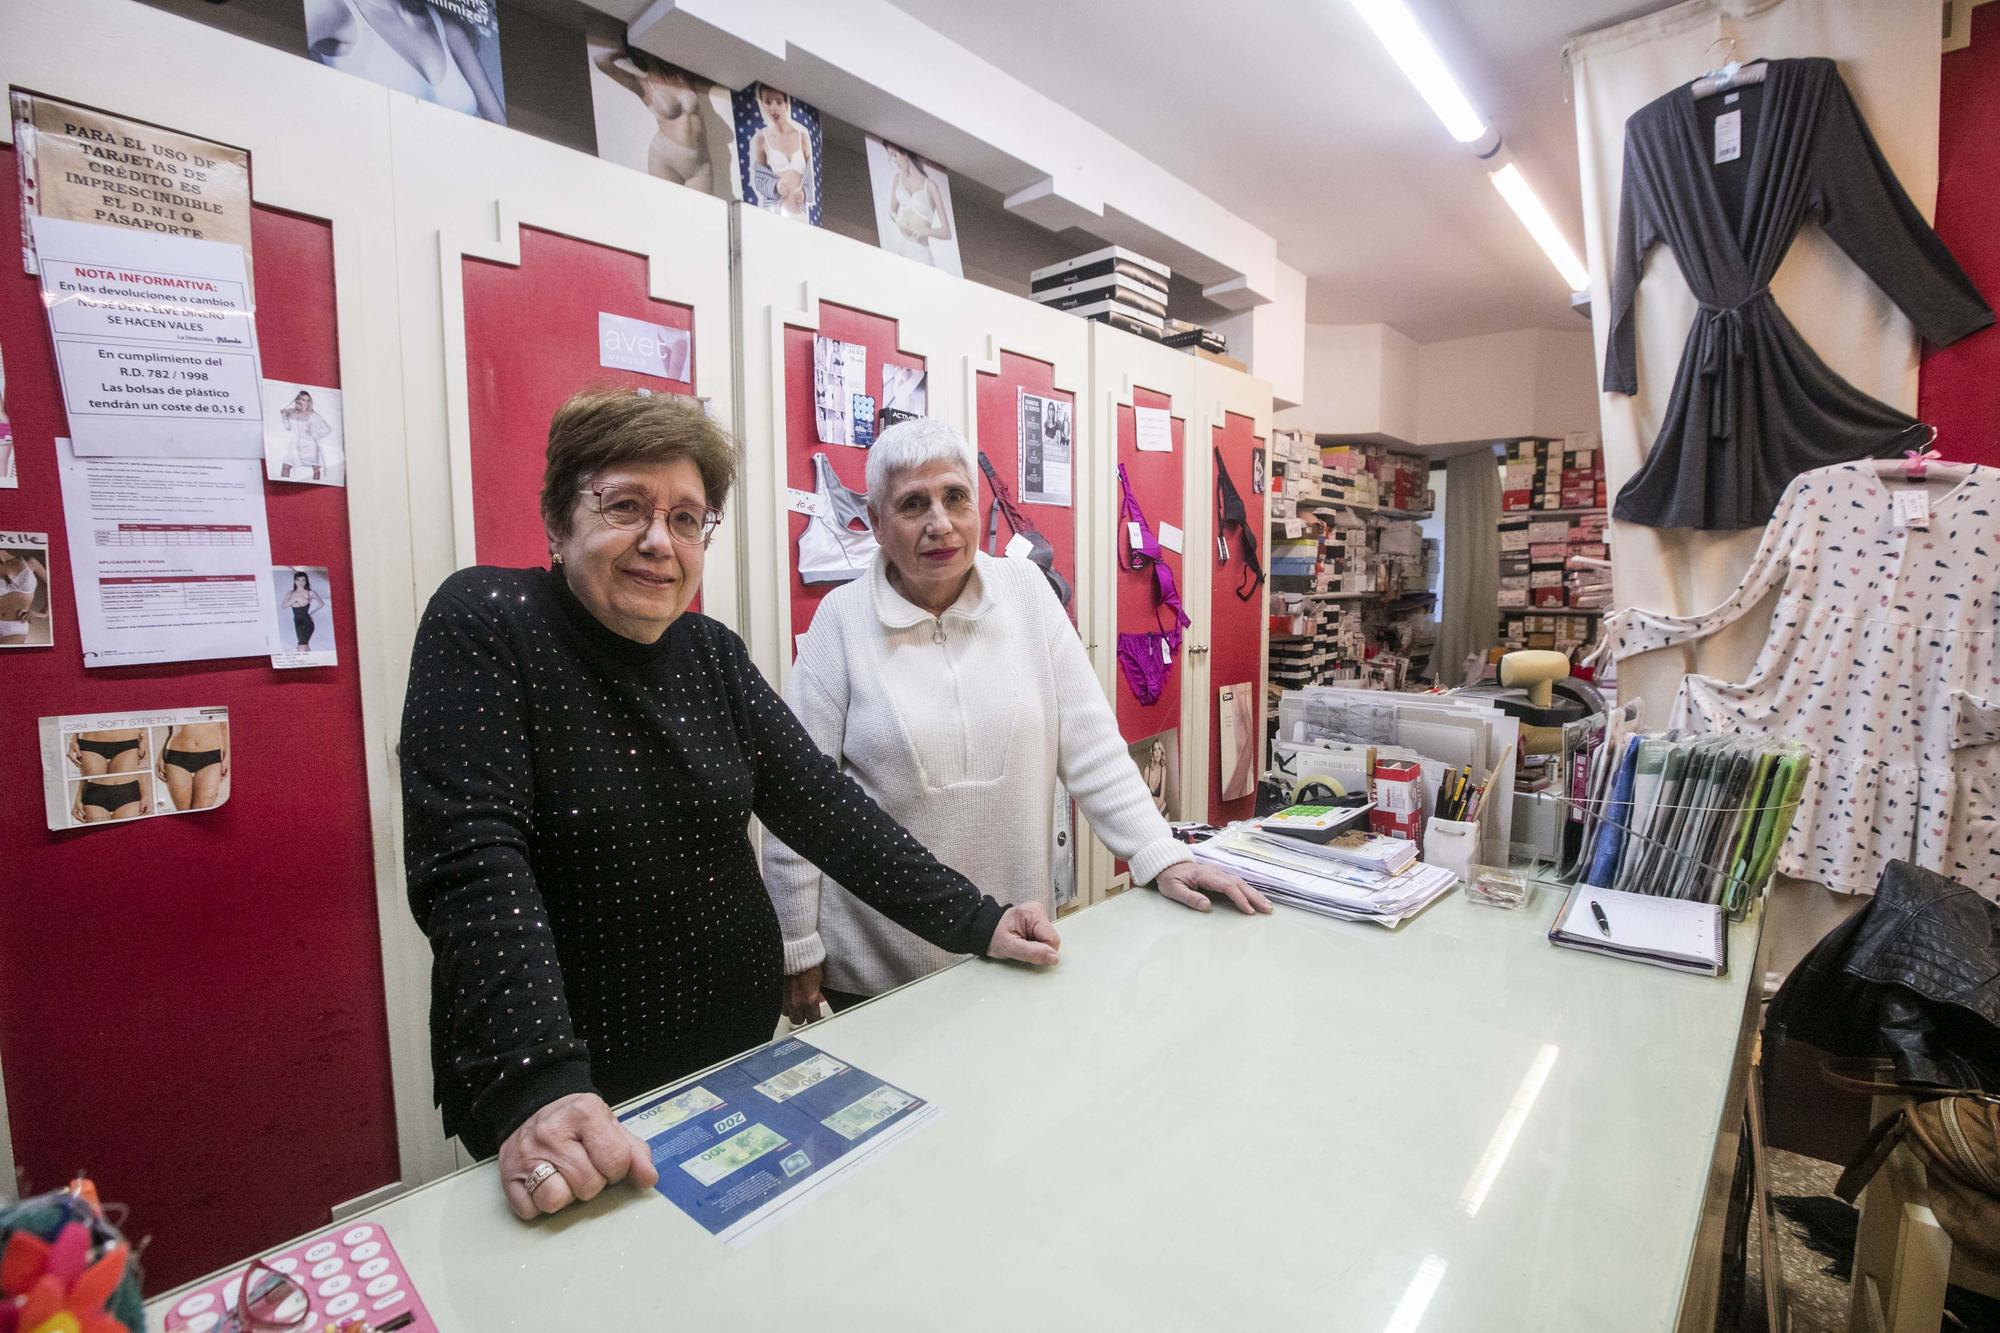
(1350,578)
(1533,559)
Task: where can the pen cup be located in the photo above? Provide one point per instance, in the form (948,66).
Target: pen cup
(1453,844)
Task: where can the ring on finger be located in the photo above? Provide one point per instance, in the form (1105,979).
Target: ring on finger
(540,1176)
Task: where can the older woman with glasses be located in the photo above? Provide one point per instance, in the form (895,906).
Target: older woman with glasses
(581,757)
(952,687)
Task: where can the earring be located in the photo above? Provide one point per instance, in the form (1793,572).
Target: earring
(555,557)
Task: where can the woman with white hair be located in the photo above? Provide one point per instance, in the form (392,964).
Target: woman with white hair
(952,687)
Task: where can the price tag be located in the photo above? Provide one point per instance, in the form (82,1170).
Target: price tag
(1166,652)
(808,503)
(1913,509)
(1018,547)
(1132,537)
(1728,137)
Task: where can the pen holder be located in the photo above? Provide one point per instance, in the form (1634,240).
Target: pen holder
(1453,844)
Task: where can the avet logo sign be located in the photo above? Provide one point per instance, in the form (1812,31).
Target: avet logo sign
(624,343)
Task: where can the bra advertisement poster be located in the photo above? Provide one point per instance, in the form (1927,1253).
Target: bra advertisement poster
(442,51)
(913,207)
(112,768)
(657,118)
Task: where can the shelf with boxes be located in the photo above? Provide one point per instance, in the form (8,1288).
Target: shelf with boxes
(1350,575)
(1554,548)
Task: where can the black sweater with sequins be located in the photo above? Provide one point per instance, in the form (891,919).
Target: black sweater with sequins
(576,812)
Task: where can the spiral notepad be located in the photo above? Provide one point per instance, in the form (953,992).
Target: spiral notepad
(1680,933)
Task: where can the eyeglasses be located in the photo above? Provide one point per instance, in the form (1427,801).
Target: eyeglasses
(269,1301)
(631,510)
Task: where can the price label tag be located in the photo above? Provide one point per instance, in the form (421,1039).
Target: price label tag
(1913,509)
(1018,547)
(1728,137)
(1132,537)
(808,503)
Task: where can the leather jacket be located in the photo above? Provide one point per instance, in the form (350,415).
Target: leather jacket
(1914,975)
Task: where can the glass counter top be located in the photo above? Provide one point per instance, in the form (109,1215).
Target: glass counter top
(1197,1121)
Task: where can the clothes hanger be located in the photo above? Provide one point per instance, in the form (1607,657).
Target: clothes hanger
(1732,73)
(1922,462)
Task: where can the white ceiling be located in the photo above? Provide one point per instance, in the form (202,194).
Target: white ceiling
(1291,114)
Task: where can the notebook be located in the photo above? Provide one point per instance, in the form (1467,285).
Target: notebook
(1680,933)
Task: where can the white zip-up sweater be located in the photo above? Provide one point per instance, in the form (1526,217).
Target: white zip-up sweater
(959,726)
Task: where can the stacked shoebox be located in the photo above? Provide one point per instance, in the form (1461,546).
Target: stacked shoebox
(1193,337)
(1348,474)
(1570,635)
(1552,474)
(1113,286)
(1402,481)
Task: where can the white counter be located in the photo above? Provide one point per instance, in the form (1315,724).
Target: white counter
(1198,1122)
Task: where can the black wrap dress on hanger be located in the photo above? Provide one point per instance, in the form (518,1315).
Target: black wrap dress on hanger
(1752,406)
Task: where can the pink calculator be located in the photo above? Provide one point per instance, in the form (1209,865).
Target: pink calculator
(337,1277)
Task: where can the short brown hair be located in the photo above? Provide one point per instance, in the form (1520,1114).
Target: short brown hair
(605,428)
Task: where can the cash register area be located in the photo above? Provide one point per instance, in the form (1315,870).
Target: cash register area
(1488,507)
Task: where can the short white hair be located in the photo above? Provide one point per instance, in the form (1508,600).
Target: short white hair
(914,444)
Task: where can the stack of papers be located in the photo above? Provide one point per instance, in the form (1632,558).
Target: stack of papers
(1301,875)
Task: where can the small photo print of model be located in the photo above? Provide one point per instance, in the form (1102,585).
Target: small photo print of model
(27,615)
(303,434)
(778,153)
(442,51)
(302,634)
(111,768)
(1158,758)
(913,207)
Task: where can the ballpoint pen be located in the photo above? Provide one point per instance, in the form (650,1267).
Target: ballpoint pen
(1603,922)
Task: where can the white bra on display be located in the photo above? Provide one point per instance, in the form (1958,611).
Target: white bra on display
(832,551)
(375,60)
(780,163)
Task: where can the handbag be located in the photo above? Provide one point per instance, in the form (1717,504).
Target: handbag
(1957,1136)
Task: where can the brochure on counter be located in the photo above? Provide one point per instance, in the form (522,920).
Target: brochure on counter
(749,1140)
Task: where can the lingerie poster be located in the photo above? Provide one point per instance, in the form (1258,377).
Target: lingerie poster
(81,165)
(778,166)
(913,207)
(657,118)
(441,51)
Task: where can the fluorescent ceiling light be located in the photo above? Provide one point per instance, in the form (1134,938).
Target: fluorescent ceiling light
(1527,206)
(1422,66)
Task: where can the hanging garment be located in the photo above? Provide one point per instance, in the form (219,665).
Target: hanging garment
(1040,553)
(1147,659)
(832,550)
(1230,511)
(1752,406)
(1881,659)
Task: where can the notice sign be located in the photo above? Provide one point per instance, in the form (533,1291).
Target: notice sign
(170,558)
(86,166)
(155,341)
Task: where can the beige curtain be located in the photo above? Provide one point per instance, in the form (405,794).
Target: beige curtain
(1888,53)
(1470,620)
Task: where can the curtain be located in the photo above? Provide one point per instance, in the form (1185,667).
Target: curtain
(1471,619)
(1888,52)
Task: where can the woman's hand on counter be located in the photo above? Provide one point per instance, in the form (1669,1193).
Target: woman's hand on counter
(1190,882)
(589,1149)
(1026,935)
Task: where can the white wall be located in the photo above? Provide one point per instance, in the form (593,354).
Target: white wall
(1369,380)
(1271,339)
(1360,379)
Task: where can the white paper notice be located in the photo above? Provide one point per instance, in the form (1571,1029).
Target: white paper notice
(1156,429)
(155,341)
(169,556)
(1170,538)
(624,343)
